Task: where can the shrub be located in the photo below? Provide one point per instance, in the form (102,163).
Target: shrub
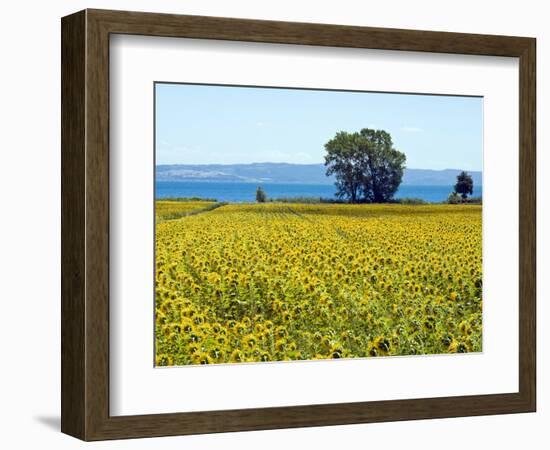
(260,195)
(474,200)
(411,201)
(454,198)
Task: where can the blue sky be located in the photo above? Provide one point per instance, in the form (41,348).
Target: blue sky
(226,125)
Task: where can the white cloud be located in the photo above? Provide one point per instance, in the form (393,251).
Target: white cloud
(303,157)
(278,156)
(410,129)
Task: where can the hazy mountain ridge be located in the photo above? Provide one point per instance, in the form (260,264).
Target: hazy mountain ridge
(285,173)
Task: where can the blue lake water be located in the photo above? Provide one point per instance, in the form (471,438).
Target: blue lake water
(246,192)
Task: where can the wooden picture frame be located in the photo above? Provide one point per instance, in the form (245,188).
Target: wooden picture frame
(85,224)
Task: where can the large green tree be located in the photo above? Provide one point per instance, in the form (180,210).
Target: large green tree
(365,164)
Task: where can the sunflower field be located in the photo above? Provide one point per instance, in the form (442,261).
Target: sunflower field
(282,281)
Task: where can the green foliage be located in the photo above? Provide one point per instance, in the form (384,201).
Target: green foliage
(411,201)
(454,199)
(186,199)
(464,184)
(260,195)
(308,200)
(366,166)
(474,201)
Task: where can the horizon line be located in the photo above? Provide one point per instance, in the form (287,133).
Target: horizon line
(295,164)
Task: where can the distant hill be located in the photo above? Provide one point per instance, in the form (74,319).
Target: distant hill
(284,173)
(426,177)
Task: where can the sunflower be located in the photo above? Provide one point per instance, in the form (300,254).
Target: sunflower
(164,360)
(249,341)
(237,356)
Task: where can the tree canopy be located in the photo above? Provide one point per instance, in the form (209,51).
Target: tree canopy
(464,184)
(366,165)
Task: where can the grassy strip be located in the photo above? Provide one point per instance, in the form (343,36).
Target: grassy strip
(191,213)
(186,199)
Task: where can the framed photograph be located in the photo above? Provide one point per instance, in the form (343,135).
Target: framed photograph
(273,225)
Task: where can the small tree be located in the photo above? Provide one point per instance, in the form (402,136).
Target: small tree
(260,195)
(365,164)
(464,184)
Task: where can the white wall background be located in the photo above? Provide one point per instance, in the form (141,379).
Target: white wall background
(30,225)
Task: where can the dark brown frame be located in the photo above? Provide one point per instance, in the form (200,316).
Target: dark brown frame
(85,224)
